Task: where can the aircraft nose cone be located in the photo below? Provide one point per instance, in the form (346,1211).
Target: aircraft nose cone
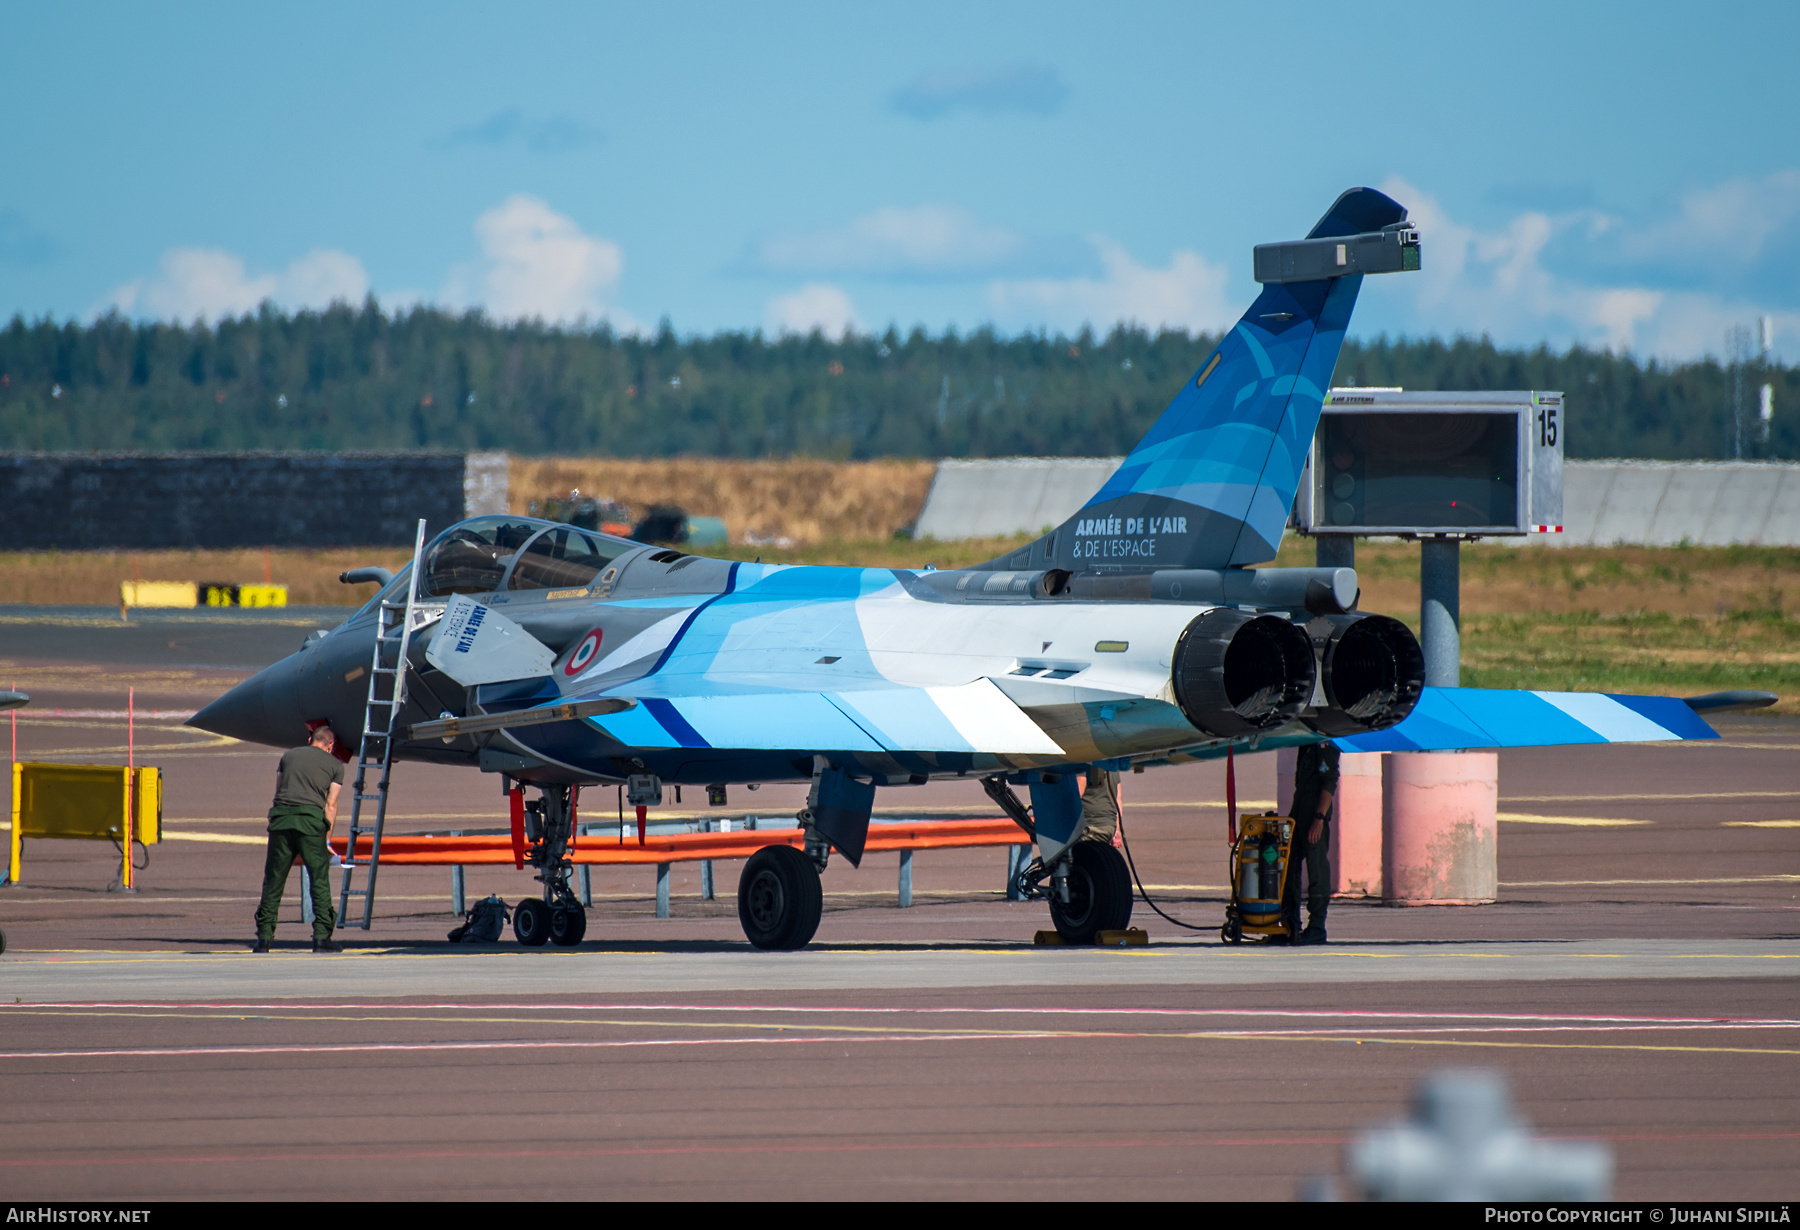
(265,708)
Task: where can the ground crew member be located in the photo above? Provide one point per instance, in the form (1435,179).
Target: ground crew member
(306,798)
(1315,786)
(1100,807)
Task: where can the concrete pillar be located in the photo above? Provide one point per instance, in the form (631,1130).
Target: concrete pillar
(1334,550)
(1438,845)
(662,890)
(905,878)
(1356,826)
(1440,610)
(1355,819)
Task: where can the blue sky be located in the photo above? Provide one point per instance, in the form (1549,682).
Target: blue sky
(1622,175)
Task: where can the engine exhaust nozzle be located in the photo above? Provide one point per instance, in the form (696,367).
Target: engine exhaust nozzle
(1237,673)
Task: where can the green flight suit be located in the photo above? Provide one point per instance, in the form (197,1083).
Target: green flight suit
(297,829)
(296,832)
(1315,772)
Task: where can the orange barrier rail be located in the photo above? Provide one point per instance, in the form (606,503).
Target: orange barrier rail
(401,851)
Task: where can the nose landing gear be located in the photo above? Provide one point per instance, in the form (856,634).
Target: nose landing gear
(549,831)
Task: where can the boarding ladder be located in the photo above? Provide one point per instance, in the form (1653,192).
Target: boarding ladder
(387,697)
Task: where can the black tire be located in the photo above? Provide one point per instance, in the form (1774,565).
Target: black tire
(567,926)
(1099,893)
(531,923)
(780,898)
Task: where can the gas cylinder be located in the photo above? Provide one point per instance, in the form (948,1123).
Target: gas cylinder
(1270,872)
(1249,877)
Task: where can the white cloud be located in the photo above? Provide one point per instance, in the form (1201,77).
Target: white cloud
(893,239)
(1497,282)
(538,263)
(816,305)
(211,282)
(1730,221)
(1188,294)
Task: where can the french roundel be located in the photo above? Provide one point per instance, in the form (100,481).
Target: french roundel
(584,654)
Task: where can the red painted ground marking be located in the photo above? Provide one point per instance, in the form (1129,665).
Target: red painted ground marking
(150,1052)
(691,1150)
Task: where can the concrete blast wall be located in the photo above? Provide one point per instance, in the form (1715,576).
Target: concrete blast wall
(96,501)
(1650,503)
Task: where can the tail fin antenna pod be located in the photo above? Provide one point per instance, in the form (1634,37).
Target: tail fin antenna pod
(1211,483)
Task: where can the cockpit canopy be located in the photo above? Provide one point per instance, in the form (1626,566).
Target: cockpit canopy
(482,555)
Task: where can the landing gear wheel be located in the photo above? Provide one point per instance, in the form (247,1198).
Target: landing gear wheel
(1099,893)
(779,898)
(531,923)
(567,925)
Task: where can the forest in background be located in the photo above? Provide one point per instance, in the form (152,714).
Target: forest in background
(361,378)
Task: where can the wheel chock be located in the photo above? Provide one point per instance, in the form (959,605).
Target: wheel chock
(1048,938)
(1130,937)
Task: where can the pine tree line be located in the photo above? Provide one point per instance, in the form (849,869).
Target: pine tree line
(358,378)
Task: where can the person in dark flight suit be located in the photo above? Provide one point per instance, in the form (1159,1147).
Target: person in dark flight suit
(305,808)
(1315,788)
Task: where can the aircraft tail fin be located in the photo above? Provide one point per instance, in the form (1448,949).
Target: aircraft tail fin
(1211,483)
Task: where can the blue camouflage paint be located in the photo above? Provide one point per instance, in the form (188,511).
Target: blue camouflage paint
(1469,718)
(1211,483)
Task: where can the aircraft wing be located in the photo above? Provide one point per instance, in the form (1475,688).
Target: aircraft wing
(973,717)
(1472,718)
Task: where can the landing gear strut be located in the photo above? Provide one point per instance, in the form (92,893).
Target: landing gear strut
(549,832)
(1088,889)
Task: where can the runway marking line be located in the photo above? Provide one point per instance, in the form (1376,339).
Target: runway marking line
(1517,817)
(1610,798)
(593,1044)
(1358,1014)
(1771,879)
(998,949)
(1391,1031)
(1762,824)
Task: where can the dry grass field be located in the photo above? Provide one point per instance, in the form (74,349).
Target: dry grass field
(806,500)
(1671,620)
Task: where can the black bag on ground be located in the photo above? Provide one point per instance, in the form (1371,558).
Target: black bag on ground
(484,923)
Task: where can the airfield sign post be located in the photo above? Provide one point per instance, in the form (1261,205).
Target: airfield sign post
(1442,468)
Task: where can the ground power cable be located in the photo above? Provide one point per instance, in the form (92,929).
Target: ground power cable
(1130,862)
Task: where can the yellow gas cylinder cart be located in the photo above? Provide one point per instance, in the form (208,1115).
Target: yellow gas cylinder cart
(1259,868)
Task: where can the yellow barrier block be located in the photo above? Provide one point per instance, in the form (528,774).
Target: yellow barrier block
(82,802)
(262,595)
(158,593)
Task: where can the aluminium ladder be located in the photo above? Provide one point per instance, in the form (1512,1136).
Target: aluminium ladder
(393,638)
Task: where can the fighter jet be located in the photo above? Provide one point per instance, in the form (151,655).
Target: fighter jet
(1137,633)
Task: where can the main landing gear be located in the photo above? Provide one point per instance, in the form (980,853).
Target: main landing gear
(1088,885)
(780,898)
(549,831)
(1094,893)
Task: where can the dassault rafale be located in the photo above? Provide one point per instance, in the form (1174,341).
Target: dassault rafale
(1137,633)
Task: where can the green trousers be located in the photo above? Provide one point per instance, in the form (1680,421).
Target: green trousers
(295,838)
(1315,857)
